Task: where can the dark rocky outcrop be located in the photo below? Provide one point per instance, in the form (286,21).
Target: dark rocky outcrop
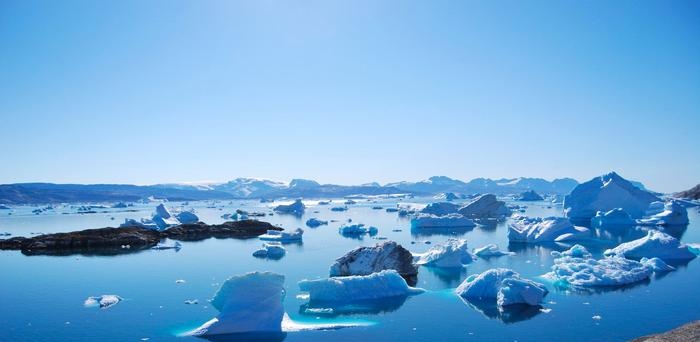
(383,256)
(111,241)
(693,193)
(687,332)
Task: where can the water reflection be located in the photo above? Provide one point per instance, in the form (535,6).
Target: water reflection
(248,337)
(595,290)
(507,314)
(455,231)
(336,308)
(450,277)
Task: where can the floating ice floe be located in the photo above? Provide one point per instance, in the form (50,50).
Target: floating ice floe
(383,284)
(665,214)
(657,265)
(452,253)
(613,218)
(440,208)
(176,246)
(296,208)
(314,222)
(530,195)
(655,244)
(339,208)
(577,268)
(489,251)
(446,221)
(103,301)
(550,229)
(272,250)
(605,193)
(367,260)
(283,236)
(505,286)
(485,206)
(357,229)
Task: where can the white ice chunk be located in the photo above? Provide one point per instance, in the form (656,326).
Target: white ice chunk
(283,236)
(550,229)
(440,208)
(490,250)
(296,208)
(103,301)
(357,229)
(576,267)
(657,265)
(452,253)
(503,285)
(382,284)
(272,250)
(614,217)
(655,244)
(671,213)
(485,206)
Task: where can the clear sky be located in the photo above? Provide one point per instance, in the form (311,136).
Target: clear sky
(349,92)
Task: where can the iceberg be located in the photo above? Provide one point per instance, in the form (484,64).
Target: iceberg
(485,206)
(143,223)
(440,208)
(550,229)
(503,285)
(577,268)
(451,254)
(176,246)
(605,193)
(367,260)
(187,217)
(283,236)
(103,301)
(339,208)
(447,196)
(383,284)
(665,214)
(655,244)
(357,229)
(272,250)
(447,221)
(247,303)
(296,208)
(162,211)
(612,218)
(314,222)
(489,251)
(657,265)
(530,196)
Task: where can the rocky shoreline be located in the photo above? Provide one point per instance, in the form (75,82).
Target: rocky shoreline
(112,241)
(687,332)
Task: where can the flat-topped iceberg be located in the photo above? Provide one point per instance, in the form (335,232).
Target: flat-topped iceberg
(357,229)
(613,218)
(489,251)
(665,214)
(440,208)
(577,268)
(272,250)
(383,284)
(367,260)
(605,193)
(503,285)
(550,229)
(283,236)
(314,222)
(296,208)
(247,303)
(655,244)
(450,254)
(530,195)
(446,221)
(103,301)
(485,206)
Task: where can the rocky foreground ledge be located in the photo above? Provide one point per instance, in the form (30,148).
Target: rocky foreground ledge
(688,332)
(111,241)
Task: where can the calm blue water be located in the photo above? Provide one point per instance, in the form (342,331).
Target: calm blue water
(41,297)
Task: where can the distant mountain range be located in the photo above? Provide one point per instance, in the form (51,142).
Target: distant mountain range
(251,188)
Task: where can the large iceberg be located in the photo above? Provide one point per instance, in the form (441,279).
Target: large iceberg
(440,208)
(530,195)
(503,285)
(446,221)
(489,251)
(665,214)
(296,208)
(383,284)
(485,206)
(247,303)
(550,229)
(283,236)
(605,193)
(452,253)
(577,268)
(367,260)
(612,218)
(655,244)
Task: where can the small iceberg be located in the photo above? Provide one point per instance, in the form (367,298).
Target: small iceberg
(485,206)
(447,196)
(503,285)
(490,251)
(383,284)
(446,221)
(357,230)
(530,195)
(283,236)
(161,246)
(272,250)
(550,229)
(388,255)
(670,213)
(655,244)
(657,265)
(339,208)
(613,218)
(451,254)
(296,208)
(187,217)
(103,301)
(314,222)
(440,208)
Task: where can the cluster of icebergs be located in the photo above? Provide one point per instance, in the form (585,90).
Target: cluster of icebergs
(452,215)
(162,219)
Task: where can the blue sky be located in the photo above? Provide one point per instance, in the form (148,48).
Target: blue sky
(349,92)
